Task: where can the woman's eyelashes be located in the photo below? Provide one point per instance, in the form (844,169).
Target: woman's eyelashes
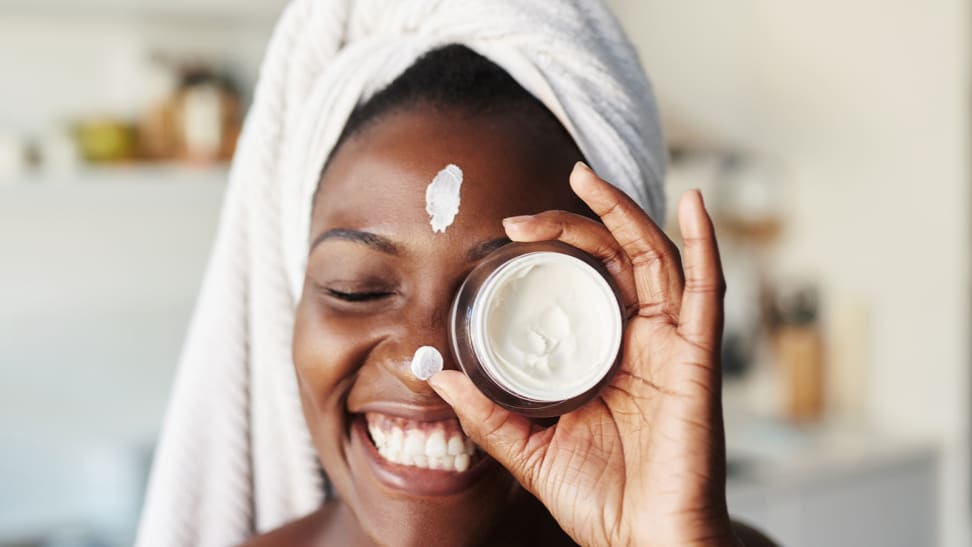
(357,296)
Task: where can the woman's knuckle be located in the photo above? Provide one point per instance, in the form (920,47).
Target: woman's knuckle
(647,256)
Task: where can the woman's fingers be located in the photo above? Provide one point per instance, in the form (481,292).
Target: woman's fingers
(701,317)
(654,258)
(509,438)
(581,232)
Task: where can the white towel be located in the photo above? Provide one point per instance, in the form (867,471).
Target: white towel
(235,455)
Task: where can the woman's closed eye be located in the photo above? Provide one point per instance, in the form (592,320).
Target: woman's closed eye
(357,296)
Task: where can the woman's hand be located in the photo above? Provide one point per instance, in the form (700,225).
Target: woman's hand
(644,463)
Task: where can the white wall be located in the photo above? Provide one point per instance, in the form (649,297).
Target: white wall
(867,103)
(97,282)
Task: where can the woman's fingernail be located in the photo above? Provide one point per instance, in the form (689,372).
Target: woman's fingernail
(583,166)
(515,221)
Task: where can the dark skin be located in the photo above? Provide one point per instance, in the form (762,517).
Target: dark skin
(352,356)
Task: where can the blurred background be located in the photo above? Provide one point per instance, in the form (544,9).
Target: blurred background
(831,139)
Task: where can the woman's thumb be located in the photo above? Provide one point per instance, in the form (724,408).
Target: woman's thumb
(507,437)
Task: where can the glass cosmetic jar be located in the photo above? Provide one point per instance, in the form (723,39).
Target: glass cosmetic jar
(537,327)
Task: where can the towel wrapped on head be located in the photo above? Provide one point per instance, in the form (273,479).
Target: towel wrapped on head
(235,455)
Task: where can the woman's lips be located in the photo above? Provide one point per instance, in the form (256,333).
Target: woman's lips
(423,458)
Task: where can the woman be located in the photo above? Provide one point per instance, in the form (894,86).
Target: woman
(643,464)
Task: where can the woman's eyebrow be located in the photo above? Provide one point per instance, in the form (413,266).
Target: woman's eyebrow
(480,251)
(374,241)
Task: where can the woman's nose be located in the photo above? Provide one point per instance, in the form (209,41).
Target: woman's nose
(424,326)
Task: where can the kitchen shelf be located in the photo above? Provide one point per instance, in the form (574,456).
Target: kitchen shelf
(127,175)
(261,12)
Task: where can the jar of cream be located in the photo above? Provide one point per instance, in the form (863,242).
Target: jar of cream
(538,327)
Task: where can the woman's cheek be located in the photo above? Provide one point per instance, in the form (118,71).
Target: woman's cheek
(328,348)
(320,359)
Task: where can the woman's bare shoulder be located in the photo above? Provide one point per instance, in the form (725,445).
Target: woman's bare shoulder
(303,531)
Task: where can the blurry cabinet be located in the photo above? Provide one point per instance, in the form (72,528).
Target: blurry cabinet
(888,499)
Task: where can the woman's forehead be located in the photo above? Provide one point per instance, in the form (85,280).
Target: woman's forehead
(381,174)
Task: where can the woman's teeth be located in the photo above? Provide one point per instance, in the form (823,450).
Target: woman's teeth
(429,445)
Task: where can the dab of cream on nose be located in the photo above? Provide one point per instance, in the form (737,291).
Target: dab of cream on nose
(426,362)
(442,197)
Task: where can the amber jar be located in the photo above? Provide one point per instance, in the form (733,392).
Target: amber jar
(537,327)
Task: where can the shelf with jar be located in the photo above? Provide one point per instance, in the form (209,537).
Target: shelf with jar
(188,128)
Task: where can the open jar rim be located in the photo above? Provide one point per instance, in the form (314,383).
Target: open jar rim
(463,321)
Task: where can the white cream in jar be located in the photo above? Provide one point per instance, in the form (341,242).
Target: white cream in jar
(538,327)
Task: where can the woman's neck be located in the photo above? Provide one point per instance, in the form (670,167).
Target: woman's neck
(524,521)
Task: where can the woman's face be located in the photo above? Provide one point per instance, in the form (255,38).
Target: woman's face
(379,285)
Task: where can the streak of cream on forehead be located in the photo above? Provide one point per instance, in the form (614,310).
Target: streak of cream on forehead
(442,197)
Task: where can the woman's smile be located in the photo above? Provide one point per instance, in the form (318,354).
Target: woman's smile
(417,452)
(429,445)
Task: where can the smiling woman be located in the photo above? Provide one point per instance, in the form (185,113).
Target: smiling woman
(410,462)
